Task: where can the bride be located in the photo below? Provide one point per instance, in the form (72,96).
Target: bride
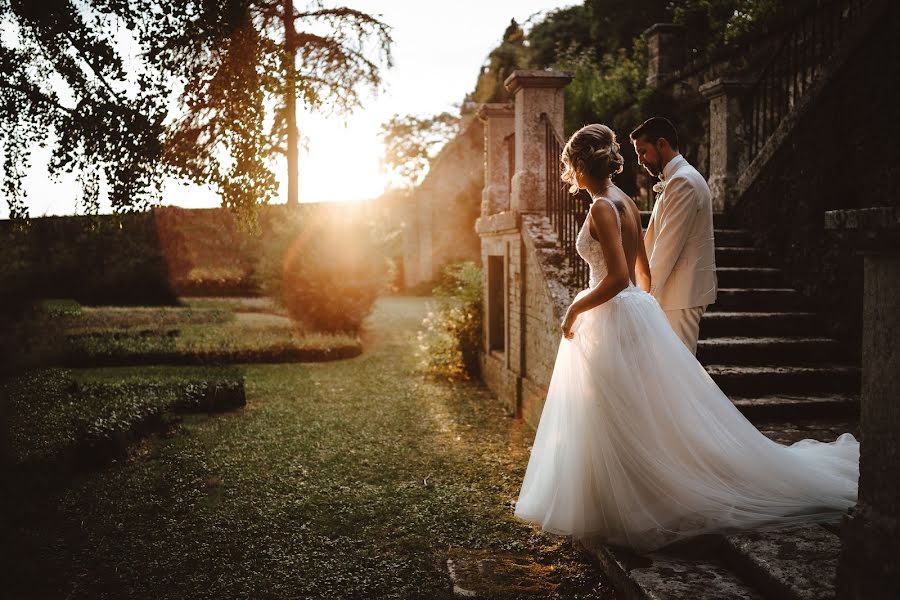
(636,445)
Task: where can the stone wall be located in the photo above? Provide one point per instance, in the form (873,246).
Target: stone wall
(841,154)
(537,293)
(441,225)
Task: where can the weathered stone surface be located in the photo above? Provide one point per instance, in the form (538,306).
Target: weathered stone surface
(794,564)
(766,350)
(764,277)
(753,380)
(662,576)
(434,233)
(536,93)
(758,299)
(739,256)
(788,406)
(499,126)
(870,567)
(728,323)
(486,574)
(666,51)
(728,135)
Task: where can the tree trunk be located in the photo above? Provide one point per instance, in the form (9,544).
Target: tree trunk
(290,101)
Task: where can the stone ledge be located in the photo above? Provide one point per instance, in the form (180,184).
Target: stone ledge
(496,109)
(769,560)
(527,78)
(720,86)
(879,218)
(502,222)
(870,230)
(540,239)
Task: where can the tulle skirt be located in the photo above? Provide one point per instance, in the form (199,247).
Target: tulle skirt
(637,446)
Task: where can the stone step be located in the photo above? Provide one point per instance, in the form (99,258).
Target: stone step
(757,300)
(790,564)
(725,324)
(720,220)
(749,381)
(785,407)
(740,256)
(749,277)
(733,237)
(670,576)
(766,350)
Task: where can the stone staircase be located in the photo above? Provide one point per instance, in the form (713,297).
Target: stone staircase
(763,347)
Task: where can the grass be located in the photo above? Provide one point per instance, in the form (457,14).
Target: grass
(61,418)
(347,479)
(203,332)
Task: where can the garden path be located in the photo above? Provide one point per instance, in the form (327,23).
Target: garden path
(347,479)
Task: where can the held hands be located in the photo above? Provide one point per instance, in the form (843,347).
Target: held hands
(567,323)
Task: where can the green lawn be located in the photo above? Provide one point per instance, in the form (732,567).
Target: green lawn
(346,479)
(206,331)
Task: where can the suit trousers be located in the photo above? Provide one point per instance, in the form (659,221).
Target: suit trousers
(686,323)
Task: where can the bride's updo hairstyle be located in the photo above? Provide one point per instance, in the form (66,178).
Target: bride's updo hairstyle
(593,150)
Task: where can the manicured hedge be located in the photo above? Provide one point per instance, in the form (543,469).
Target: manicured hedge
(61,417)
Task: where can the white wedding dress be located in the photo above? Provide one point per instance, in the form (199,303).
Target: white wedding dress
(637,446)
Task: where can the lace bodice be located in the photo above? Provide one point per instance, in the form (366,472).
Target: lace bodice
(590,250)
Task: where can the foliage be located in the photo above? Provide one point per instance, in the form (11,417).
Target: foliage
(144,335)
(115,259)
(238,59)
(592,30)
(601,88)
(712,24)
(66,84)
(510,55)
(60,415)
(451,342)
(95,79)
(325,269)
(412,142)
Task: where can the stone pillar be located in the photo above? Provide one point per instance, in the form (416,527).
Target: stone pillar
(499,125)
(536,93)
(727,137)
(869,566)
(666,50)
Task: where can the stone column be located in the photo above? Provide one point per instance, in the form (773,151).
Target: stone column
(727,137)
(499,125)
(536,93)
(666,50)
(869,567)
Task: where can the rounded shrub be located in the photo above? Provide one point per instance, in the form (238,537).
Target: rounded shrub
(325,267)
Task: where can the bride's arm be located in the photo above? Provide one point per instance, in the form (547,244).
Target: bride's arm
(642,268)
(604,218)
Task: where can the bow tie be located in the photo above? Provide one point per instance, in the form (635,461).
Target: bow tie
(659,187)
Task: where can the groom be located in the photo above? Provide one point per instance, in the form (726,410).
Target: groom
(679,237)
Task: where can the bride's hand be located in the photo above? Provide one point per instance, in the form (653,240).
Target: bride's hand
(567,323)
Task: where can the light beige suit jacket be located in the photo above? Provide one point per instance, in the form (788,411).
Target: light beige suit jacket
(679,240)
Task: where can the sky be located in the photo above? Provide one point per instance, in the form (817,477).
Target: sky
(437,52)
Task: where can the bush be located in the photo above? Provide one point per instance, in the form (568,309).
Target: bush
(325,267)
(450,344)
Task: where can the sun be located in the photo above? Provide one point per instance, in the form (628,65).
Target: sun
(342,161)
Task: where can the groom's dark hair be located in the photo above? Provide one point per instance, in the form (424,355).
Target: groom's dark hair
(655,128)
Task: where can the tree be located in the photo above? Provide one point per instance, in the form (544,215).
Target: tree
(510,55)
(63,84)
(246,62)
(412,142)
